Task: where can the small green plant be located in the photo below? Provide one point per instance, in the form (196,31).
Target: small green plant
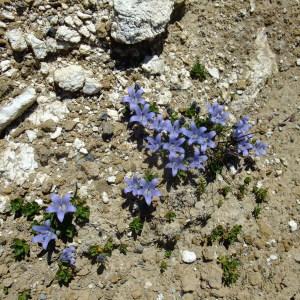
(168,253)
(216,234)
(260,194)
(202,183)
(231,236)
(82,214)
(225,236)
(199,72)
(20,249)
(123,249)
(16,206)
(5,290)
(163,266)
(25,295)
(149,175)
(30,209)
(136,226)
(153,107)
(225,191)
(241,191)
(192,110)
(170,216)
(64,274)
(230,269)
(247,180)
(256,211)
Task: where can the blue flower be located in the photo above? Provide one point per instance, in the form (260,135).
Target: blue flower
(134,97)
(154,143)
(133,185)
(197,162)
(176,163)
(68,256)
(200,136)
(260,148)
(46,234)
(61,206)
(142,116)
(241,128)
(157,123)
(244,147)
(174,146)
(217,114)
(149,190)
(173,129)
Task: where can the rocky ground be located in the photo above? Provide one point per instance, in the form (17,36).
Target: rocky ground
(65,66)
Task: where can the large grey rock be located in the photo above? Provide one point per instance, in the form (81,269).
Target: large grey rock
(139,20)
(38,46)
(17,40)
(14,109)
(65,34)
(70,79)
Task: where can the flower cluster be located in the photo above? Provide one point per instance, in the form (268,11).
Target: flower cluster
(243,138)
(142,187)
(186,143)
(60,206)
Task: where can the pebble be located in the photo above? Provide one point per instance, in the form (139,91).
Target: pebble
(17,40)
(91,87)
(68,35)
(111,179)
(293,225)
(153,65)
(70,79)
(298,62)
(105,198)
(38,46)
(188,256)
(214,72)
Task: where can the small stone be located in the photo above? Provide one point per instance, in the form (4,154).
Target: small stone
(153,65)
(91,169)
(48,126)
(298,62)
(17,40)
(7,282)
(5,65)
(212,274)
(111,179)
(4,204)
(105,198)
(214,72)
(56,134)
(293,225)
(39,47)
(44,68)
(84,31)
(189,282)
(91,87)
(69,125)
(70,79)
(66,34)
(107,130)
(188,256)
(297,257)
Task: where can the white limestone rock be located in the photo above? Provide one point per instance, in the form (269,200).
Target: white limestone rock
(17,40)
(188,256)
(70,79)
(14,109)
(153,65)
(139,20)
(91,87)
(17,162)
(68,35)
(38,46)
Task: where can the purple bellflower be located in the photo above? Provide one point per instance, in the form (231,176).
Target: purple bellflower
(173,129)
(149,190)
(157,123)
(68,256)
(134,97)
(133,185)
(200,136)
(217,113)
(142,116)
(174,146)
(244,147)
(176,163)
(197,162)
(46,234)
(61,206)
(154,143)
(260,148)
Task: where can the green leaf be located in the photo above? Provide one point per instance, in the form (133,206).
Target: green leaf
(16,206)
(64,275)
(20,249)
(25,295)
(30,209)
